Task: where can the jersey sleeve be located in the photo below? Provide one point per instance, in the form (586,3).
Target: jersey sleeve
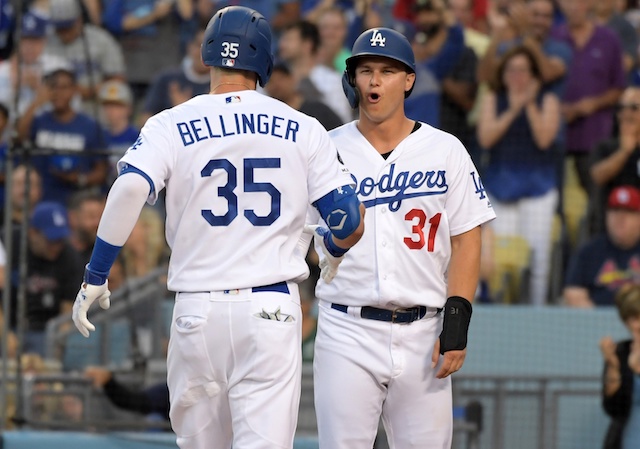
(153,153)
(326,169)
(467,203)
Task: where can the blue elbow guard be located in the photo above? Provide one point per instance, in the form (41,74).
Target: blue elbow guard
(340,210)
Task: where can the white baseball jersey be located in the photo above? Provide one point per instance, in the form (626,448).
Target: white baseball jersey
(240,170)
(425,192)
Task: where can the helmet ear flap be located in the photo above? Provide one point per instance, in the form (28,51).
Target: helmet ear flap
(348,86)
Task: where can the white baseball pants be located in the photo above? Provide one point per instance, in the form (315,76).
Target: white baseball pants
(364,369)
(233,376)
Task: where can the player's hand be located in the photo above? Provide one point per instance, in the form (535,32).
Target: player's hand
(329,264)
(608,349)
(452,360)
(86,296)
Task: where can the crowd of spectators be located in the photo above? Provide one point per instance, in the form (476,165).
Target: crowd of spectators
(533,88)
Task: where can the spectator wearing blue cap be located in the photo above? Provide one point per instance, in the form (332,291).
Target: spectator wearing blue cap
(30,47)
(95,55)
(70,139)
(116,99)
(52,270)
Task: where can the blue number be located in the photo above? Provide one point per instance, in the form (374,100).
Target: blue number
(226,191)
(250,186)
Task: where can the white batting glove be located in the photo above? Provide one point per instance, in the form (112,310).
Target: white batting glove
(86,296)
(329,264)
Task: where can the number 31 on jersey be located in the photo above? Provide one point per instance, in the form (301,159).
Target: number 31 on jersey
(418,229)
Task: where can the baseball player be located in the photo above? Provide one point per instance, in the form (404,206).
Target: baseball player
(393,323)
(240,170)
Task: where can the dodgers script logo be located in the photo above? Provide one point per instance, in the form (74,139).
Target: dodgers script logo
(395,187)
(377,39)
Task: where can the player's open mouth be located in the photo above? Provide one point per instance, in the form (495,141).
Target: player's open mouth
(373,97)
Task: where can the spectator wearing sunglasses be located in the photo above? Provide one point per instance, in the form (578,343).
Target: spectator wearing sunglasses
(616,161)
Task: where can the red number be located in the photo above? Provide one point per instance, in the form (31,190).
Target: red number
(418,229)
(434,222)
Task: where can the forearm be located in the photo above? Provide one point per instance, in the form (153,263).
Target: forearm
(123,397)
(544,127)
(464,267)
(24,123)
(314,14)
(449,54)
(490,131)
(185,9)
(93,11)
(460,93)
(124,203)
(65,307)
(612,380)
(577,297)
(288,14)
(488,63)
(604,171)
(608,99)
(550,68)
(131,22)
(628,62)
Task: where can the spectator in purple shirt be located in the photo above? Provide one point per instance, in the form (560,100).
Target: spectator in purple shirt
(595,81)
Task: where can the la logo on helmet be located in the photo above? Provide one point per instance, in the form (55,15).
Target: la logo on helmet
(377,39)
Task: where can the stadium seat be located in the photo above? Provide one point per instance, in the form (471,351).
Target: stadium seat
(120,341)
(509,282)
(575,203)
(80,352)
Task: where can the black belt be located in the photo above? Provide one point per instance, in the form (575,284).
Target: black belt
(408,315)
(280,287)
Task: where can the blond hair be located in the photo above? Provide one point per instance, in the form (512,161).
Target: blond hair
(154,242)
(627,301)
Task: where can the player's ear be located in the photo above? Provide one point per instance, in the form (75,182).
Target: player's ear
(410,81)
(351,92)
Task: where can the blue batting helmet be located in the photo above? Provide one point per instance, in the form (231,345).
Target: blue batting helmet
(383,42)
(239,38)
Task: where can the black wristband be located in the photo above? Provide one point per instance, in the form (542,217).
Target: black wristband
(457,315)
